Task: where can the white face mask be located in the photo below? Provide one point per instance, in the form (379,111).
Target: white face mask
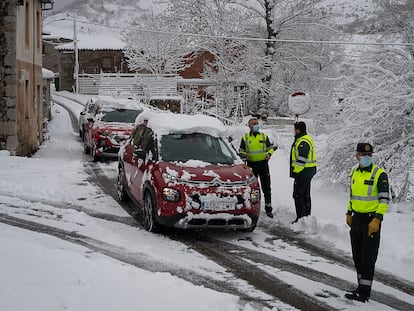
(365,161)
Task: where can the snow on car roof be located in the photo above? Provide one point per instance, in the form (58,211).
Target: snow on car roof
(165,123)
(111,102)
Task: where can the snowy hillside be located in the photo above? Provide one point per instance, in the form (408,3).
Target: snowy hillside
(113,12)
(349,15)
(345,15)
(93,17)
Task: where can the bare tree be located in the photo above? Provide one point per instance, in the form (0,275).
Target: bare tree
(289,66)
(379,105)
(153,48)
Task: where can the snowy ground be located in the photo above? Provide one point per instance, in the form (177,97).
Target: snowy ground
(58,275)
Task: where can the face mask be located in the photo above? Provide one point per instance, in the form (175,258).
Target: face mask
(365,161)
(256,128)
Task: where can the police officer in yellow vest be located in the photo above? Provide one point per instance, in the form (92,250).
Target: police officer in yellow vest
(367,205)
(302,169)
(257,149)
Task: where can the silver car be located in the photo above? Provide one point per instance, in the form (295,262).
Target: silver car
(89,111)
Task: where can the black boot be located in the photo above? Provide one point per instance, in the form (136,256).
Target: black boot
(268,210)
(356,295)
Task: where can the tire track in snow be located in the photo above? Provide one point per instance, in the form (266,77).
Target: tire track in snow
(317,248)
(234,258)
(139,260)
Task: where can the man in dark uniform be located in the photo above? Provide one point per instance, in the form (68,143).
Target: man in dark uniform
(302,169)
(366,208)
(257,149)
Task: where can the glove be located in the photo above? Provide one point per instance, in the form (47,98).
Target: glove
(349,219)
(373,226)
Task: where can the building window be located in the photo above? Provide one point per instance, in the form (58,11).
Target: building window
(38,29)
(27,22)
(107,63)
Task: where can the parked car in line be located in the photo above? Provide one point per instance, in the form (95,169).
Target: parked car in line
(112,124)
(89,111)
(181,172)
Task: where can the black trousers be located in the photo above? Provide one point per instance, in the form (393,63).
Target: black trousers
(301,195)
(261,169)
(364,251)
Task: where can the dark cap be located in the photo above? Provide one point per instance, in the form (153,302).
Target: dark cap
(364,148)
(301,126)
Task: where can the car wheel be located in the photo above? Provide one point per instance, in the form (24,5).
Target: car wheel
(148,214)
(120,185)
(82,133)
(250,229)
(86,149)
(94,156)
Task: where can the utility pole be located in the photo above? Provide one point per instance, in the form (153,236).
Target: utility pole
(75,46)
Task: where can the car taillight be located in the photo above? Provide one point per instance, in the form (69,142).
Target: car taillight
(255,196)
(170,194)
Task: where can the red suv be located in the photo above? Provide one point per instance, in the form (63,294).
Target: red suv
(105,132)
(181,172)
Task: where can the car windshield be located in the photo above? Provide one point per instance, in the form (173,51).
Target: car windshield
(196,146)
(120,115)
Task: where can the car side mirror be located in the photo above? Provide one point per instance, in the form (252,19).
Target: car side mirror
(140,153)
(83,113)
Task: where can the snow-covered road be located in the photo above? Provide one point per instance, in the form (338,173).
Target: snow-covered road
(59,193)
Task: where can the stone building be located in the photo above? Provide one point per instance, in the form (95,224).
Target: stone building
(21,82)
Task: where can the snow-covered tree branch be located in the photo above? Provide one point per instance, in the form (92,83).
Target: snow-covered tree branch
(153,49)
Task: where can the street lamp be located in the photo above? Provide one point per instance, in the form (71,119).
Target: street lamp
(75,47)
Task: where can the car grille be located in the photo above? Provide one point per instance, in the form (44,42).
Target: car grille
(216,221)
(120,138)
(214,183)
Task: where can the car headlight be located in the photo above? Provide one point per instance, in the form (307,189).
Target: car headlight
(168,177)
(251,180)
(170,194)
(255,196)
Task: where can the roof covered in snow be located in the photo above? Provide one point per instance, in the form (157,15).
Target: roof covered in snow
(47,74)
(165,122)
(94,42)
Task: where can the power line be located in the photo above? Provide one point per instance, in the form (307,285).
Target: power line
(251,38)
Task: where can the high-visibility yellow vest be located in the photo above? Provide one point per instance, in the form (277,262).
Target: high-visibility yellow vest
(256,148)
(310,161)
(364,191)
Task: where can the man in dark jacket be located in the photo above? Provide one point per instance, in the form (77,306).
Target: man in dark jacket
(302,169)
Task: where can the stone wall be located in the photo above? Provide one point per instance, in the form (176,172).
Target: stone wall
(21,117)
(8,19)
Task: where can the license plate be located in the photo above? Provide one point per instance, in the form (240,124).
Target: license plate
(217,206)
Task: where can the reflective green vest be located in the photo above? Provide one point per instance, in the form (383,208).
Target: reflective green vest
(364,191)
(256,147)
(299,162)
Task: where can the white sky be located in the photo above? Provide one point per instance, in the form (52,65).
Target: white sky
(46,273)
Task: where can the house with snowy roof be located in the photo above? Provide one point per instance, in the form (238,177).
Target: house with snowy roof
(103,53)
